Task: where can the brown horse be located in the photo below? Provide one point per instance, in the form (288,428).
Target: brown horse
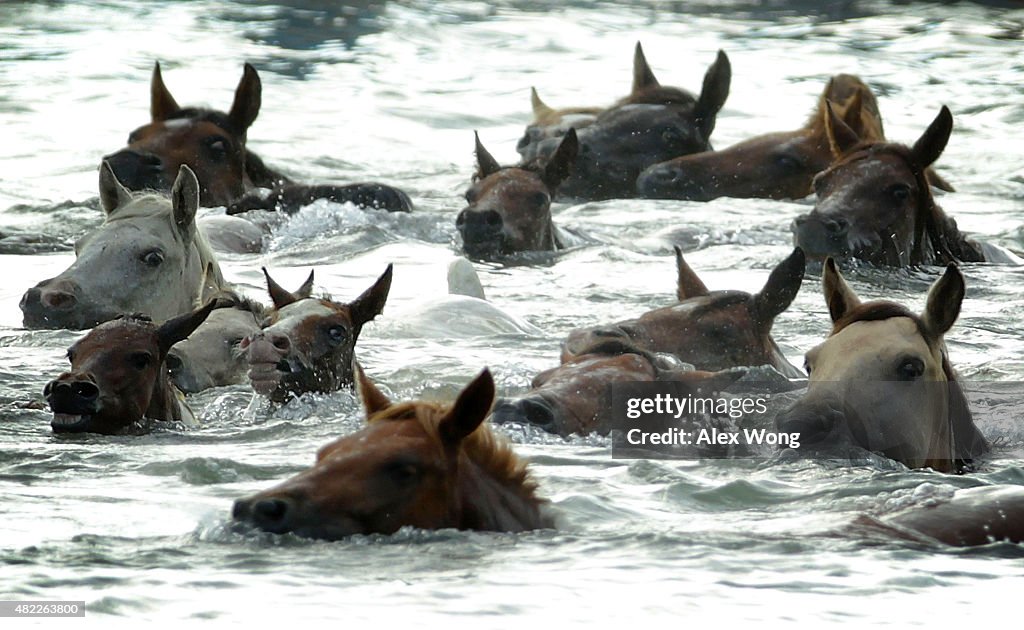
(712,330)
(119,376)
(213,144)
(415,464)
(307,344)
(883,381)
(653,124)
(572,398)
(875,204)
(509,207)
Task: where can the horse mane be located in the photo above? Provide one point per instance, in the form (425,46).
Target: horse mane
(241,302)
(483,447)
(657,95)
(877,310)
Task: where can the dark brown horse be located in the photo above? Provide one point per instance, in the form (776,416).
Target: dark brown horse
(572,398)
(882,380)
(509,208)
(712,330)
(874,203)
(213,144)
(119,376)
(653,124)
(307,344)
(417,464)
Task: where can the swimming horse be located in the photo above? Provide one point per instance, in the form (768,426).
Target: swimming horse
(778,165)
(712,330)
(119,376)
(147,257)
(883,381)
(652,124)
(213,144)
(307,344)
(874,204)
(414,464)
(509,208)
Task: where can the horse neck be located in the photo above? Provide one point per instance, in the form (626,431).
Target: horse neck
(260,175)
(165,403)
(937,239)
(487,504)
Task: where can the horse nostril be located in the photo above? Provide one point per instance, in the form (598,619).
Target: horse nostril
(492,219)
(537,412)
(48,389)
(460,221)
(270,511)
(281,342)
(800,220)
(837,226)
(58,299)
(85,390)
(150,159)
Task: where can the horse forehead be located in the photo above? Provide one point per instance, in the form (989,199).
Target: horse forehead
(729,306)
(115,338)
(600,370)
(309,310)
(511,181)
(377,441)
(864,344)
(176,131)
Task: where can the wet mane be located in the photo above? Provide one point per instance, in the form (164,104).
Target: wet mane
(491,453)
(241,302)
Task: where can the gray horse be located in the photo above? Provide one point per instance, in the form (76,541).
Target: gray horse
(147,257)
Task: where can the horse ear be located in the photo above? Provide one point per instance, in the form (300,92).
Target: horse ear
(779,292)
(306,289)
(541,110)
(280,296)
(944,300)
(248,98)
(643,76)
(929,146)
(161,104)
(374,400)
(177,328)
(370,304)
(112,194)
(841,138)
(185,201)
(853,111)
(688,285)
(469,410)
(838,295)
(562,161)
(713,93)
(485,164)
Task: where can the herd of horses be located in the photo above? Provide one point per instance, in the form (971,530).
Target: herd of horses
(164,322)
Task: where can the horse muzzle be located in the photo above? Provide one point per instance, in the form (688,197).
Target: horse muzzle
(74,400)
(482,231)
(138,171)
(821,236)
(269,357)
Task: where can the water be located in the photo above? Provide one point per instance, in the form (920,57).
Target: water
(137,526)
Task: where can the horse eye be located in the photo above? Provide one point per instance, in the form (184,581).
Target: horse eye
(403,474)
(807,367)
(71,356)
(671,135)
(910,369)
(337,334)
(152,258)
(471,195)
(132,137)
(899,192)
(788,163)
(218,147)
(539,199)
(140,360)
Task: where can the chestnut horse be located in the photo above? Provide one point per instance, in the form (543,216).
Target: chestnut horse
(653,124)
(883,381)
(875,204)
(509,208)
(307,344)
(147,257)
(119,376)
(712,330)
(213,144)
(415,464)
(572,398)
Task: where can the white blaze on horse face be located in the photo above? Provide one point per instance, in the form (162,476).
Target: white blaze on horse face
(858,367)
(297,322)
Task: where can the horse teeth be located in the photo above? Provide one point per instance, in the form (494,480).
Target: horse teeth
(66,419)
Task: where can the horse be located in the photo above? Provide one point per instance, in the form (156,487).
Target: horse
(307,344)
(549,122)
(572,398)
(414,464)
(509,208)
(213,144)
(119,376)
(652,124)
(212,355)
(147,257)
(882,380)
(712,330)
(777,165)
(874,203)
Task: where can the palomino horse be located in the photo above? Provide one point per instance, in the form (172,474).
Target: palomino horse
(874,203)
(213,144)
(883,381)
(147,257)
(653,124)
(509,208)
(572,398)
(712,330)
(118,376)
(416,464)
(307,344)
(212,356)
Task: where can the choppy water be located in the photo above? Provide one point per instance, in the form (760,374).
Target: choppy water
(392,91)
